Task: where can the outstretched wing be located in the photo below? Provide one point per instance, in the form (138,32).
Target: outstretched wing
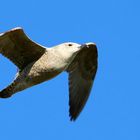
(81,75)
(16,46)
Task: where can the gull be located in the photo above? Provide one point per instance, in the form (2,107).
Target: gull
(37,64)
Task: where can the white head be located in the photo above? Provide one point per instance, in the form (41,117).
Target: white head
(68,50)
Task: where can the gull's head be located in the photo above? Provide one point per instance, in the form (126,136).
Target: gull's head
(70,47)
(68,50)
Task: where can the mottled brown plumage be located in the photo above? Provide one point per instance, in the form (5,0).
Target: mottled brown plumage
(38,64)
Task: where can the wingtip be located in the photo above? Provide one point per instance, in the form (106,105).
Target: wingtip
(72,116)
(72,119)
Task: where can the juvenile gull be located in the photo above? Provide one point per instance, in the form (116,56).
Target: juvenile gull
(38,64)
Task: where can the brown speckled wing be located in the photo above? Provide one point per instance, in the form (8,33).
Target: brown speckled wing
(16,46)
(81,75)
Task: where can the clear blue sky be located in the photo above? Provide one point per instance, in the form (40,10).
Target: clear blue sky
(113,109)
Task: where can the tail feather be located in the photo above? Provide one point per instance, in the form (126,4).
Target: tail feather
(5,93)
(8,91)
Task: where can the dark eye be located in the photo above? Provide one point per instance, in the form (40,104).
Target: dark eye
(69,44)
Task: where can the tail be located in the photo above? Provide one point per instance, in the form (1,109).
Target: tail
(4,94)
(8,91)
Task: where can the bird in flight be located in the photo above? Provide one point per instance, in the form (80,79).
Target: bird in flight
(37,64)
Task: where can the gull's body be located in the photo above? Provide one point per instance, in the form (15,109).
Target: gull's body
(38,64)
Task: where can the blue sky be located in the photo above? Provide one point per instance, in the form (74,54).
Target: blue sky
(113,109)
